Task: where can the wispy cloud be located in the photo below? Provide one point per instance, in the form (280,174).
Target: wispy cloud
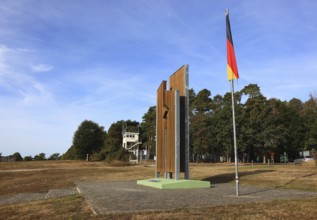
(41,67)
(16,79)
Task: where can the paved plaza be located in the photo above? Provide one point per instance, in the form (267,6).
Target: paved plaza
(106,197)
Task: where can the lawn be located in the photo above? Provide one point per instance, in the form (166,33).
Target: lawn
(40,176)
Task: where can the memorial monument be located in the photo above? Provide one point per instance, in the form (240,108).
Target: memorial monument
(172,135)
(172,126)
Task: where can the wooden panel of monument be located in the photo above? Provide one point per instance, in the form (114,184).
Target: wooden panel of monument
(170,132)
(160,128)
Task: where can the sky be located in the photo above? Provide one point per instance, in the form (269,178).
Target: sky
(66,61)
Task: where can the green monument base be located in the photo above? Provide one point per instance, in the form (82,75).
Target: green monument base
(162,183)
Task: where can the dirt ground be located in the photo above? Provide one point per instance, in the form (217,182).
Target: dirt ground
(41,176)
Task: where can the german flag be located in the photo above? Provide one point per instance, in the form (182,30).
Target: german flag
(231,59)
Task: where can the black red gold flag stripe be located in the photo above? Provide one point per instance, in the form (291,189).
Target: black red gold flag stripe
(232,67)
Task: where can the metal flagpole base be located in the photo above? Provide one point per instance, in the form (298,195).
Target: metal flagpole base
(237,186)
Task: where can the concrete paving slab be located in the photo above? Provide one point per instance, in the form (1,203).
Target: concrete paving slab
(28,197)
(162,183)
(107,197)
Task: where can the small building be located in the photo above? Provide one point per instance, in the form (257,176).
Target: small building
(10,158)
(131,141)
(305,153)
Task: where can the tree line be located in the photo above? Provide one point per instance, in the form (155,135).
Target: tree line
(266,128)
(17,157)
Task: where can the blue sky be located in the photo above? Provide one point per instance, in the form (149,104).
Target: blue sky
(64,61)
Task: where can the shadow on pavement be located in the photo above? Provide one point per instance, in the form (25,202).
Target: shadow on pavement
(228,177)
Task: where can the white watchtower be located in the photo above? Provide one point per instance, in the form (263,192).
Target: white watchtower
(130,140)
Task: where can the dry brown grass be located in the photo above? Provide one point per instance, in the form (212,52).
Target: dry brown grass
(75,207)
(41,176)
(296,209)
(44,175)
(274,176)
(70,207)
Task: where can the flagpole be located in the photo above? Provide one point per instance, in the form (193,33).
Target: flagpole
(235,140)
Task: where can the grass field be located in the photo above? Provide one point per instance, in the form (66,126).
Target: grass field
(40,176)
